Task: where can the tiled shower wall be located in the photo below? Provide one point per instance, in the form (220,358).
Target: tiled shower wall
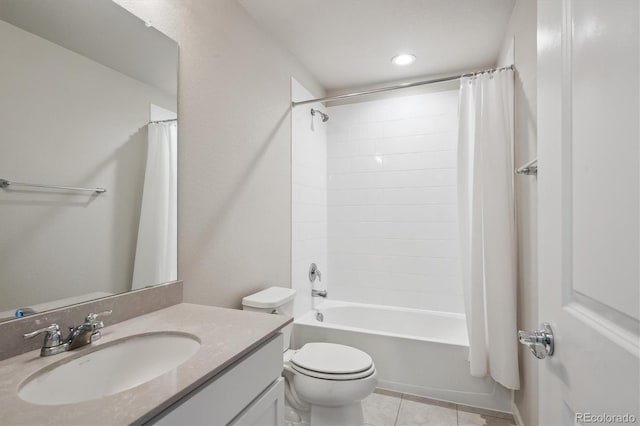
(308,197)
(391,195)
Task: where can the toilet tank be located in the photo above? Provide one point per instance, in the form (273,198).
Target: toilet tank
(273,300)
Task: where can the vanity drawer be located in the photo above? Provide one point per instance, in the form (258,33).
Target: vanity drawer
(224,397)
(266,410)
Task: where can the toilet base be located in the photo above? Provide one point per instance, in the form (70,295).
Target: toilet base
(345,415)
(293,417)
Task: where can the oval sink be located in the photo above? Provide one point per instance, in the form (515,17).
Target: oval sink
(116,367)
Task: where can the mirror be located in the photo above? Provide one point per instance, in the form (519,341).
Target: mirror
(88,99)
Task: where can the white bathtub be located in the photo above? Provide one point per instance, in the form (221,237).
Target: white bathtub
(419,352)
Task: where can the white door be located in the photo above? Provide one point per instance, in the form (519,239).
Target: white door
(589,216)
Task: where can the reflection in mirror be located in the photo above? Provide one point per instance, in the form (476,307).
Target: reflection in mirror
(88,99)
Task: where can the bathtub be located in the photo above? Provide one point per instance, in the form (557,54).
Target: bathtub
(418,352)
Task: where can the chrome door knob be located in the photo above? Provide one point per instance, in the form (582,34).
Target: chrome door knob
(539,342)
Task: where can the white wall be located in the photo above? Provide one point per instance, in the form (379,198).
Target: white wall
(68,120)
(234,178)
(392,213)
(519,47)
(308,197)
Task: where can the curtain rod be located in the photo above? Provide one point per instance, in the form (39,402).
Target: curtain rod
(399,86)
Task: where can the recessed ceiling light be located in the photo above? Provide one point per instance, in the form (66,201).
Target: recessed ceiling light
(404,59)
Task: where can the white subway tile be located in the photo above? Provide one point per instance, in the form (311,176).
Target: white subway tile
(418,143)
(402,196)
(411,213)
(339,165)
(308,213)
(341,197)
(337,148)
(369,163)
(405,230)
(392,233)
(415,178)
(367,147)
(435,267)
(373,296)
(351,180)
(420,160)
(312,230)
(369,130)
(304,194)
(399,247)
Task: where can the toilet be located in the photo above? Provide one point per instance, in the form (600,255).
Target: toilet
(325,382)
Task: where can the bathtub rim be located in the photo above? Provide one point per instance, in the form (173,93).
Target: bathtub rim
(308,319)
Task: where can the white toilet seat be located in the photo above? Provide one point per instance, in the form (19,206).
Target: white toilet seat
(332,359)
(333,376)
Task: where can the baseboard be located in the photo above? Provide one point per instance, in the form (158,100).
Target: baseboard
(500,399)
(516,414)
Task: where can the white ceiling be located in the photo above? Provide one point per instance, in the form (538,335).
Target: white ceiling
(349,43)
(102,31)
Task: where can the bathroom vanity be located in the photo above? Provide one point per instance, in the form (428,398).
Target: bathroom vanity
(233,377)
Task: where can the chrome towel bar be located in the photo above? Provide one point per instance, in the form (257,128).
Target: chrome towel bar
(4,183)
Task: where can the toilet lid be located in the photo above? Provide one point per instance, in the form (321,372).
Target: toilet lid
(330,376)
(332,358)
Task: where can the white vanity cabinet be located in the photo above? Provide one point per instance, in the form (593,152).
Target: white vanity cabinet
(249,392)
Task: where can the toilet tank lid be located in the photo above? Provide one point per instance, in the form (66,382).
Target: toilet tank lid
(271,297)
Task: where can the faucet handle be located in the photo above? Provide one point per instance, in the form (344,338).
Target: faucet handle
(52,338)
(92,321)
(92,317)
(314,273)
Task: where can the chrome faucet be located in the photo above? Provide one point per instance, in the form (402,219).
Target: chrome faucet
(80,335)
(87,332)
(318,293)
(53,342)
(314,273)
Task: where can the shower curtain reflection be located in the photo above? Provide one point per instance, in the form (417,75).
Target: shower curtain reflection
(156,251)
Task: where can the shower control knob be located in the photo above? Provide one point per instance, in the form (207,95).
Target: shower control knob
(314,273)
(539,342)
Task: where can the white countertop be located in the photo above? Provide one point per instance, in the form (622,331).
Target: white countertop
(226,335)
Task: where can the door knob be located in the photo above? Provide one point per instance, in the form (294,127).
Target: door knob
(539,342)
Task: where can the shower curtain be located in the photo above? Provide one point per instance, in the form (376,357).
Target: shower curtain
(157,247)
(487,224)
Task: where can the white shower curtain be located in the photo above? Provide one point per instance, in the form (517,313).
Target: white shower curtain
(157,248)
(487,224)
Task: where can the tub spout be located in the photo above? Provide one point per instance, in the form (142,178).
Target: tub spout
(319,293)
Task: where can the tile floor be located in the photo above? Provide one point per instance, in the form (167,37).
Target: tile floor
(386,408)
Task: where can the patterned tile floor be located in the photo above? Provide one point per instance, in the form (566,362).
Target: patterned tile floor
(385,408)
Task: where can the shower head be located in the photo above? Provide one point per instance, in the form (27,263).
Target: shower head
(324,116)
